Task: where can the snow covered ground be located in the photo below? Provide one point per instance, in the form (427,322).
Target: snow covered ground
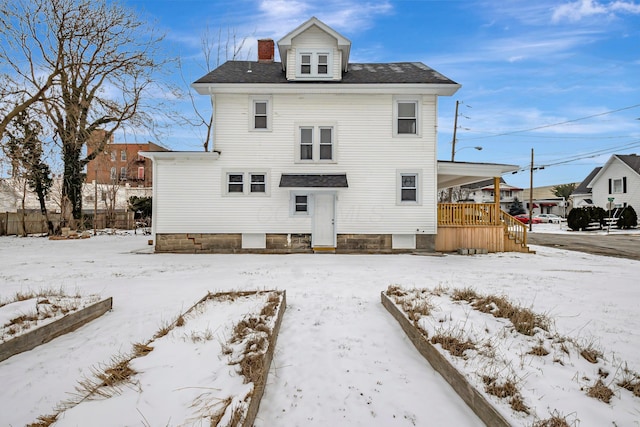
(341,359)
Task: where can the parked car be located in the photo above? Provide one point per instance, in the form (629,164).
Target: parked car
(525,219)
(552,218)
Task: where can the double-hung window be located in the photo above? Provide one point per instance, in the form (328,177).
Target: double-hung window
(316,144)
(323,64)
(112,174)
(306,143)
(408,191)
(326,143)
(235,183)
(406,117)
(617,185)
(258,182)
(260,113)
(314,64)
(123,172)
(123,155)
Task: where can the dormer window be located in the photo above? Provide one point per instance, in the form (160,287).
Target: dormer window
(305,64)
(323,64)
(314,64)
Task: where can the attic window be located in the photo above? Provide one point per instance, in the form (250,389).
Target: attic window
(305,64)
(323,64)
(314,64)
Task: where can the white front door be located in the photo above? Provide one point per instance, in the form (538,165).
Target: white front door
(324,227)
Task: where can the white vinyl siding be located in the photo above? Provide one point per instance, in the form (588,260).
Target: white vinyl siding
(367,152)
(317,43)
(616,170)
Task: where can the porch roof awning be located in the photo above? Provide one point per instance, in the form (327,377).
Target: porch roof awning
(327,180)
(453,174)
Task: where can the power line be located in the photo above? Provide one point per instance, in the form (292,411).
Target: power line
(557,124)
(587,155)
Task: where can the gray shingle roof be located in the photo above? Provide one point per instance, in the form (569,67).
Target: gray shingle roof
(582,188)
(314,180)
(632,160)
(258,72)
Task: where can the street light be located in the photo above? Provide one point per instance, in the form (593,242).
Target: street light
(460,149)
(453,156)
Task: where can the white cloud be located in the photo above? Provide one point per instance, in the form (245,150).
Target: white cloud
(282,16)
(580,9)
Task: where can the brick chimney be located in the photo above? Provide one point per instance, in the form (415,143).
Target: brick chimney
(265,50)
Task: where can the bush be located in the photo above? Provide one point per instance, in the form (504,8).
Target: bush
(580,218)
(627,218)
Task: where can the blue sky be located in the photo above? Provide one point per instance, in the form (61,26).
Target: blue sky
(561,77)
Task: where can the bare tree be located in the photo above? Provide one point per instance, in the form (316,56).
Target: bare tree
(105,58)
(231,46)
(25,76)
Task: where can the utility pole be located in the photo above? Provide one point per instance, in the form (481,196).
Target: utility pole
(531,193)
(453,146)
(455,129)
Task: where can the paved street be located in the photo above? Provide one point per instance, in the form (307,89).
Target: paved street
(617,245)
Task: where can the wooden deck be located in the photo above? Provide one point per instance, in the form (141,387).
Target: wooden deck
(479,226)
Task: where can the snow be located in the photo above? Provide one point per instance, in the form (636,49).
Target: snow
(340,358)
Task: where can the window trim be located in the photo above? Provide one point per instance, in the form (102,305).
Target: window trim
(246,183)
(228,183)
(397,100)
(314,64)
(123,173)
(293,203)
(418,175)
(123,155)
(253,100)
(316,138)
(251,183)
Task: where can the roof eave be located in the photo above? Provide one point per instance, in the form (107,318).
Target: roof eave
(441,89)
(179,155)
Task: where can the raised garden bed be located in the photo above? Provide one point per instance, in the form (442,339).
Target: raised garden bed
(29,322)
(207,367)
(508,364)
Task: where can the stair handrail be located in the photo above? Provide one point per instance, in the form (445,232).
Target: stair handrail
(514,228)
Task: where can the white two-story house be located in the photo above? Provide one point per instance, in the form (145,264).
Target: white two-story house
(313,153)
(615,185)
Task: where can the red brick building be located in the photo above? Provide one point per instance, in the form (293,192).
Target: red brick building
(120,164)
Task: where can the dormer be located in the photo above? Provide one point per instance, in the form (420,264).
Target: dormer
(313,52)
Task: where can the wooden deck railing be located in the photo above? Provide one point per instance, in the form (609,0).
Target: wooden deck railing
(481,215)
(467,214)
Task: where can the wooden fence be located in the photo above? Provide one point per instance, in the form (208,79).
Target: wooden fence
(15,223)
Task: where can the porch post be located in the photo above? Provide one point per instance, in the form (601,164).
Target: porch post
(496,198)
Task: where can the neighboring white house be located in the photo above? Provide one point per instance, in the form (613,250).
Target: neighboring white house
(313,153)
(582,196)
(618,179)
(484,192)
